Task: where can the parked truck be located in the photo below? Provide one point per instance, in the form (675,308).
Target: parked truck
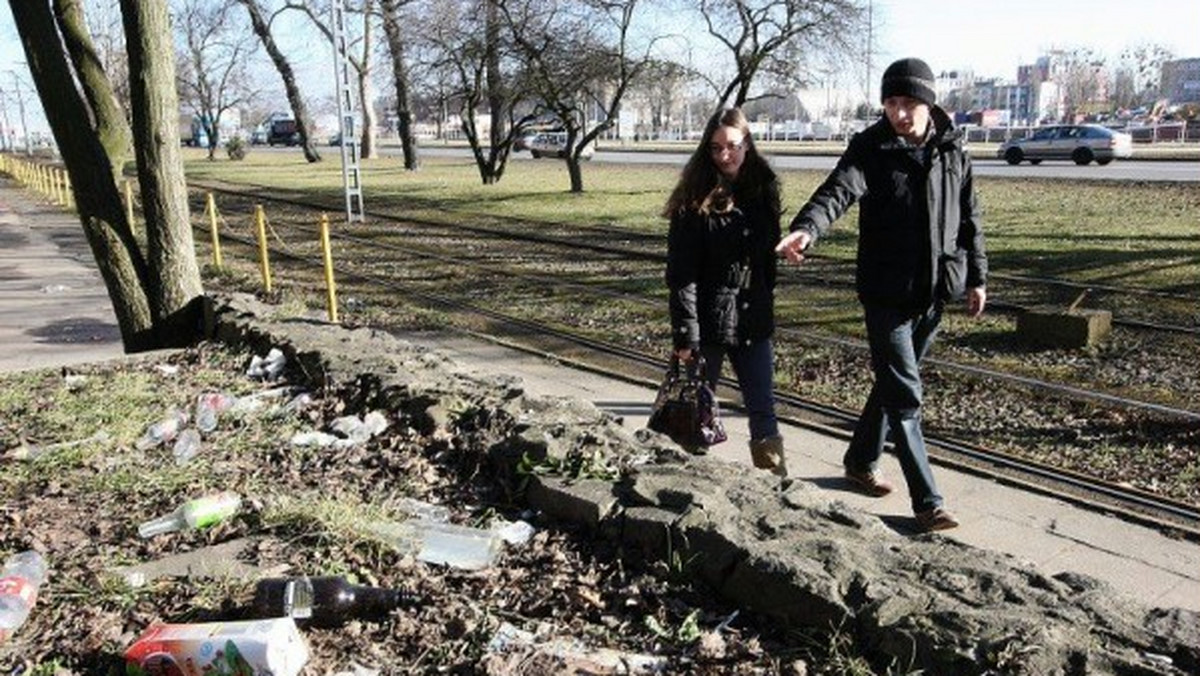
(282,131)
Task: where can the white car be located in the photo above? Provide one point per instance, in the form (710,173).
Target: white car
(1080,143)
(554,144)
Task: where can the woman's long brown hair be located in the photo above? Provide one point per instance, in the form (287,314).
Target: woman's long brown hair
(702,187)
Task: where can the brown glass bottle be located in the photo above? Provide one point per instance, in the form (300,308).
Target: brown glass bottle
(324,601)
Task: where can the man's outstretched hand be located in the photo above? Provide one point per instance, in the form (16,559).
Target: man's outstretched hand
(793,245)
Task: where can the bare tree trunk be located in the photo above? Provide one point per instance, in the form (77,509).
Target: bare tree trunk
(111,125)
(495,88)
(299,110)
(96,195)
(175,293)
(395,40)
(366,91)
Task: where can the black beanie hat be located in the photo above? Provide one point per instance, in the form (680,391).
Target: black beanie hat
(909,77)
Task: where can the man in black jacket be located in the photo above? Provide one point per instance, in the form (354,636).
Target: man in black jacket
(920,244)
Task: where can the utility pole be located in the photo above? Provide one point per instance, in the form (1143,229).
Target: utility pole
(21,110)
(4,133)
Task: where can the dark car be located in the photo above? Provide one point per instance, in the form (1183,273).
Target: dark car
(1080,143)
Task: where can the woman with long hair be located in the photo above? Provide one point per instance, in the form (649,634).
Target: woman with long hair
(721,265)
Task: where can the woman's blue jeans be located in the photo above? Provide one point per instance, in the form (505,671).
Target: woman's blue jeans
(899,340)
(754,366)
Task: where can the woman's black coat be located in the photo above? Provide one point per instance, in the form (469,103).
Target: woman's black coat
(721,275)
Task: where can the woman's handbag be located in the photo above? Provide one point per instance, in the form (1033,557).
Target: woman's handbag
(686,408)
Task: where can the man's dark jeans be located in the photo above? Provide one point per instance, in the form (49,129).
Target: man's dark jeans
(899,340)
(754,366)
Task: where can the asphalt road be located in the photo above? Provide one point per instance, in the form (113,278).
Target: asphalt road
(1187,171)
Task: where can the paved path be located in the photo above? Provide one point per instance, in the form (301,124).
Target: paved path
(55,307)
(56,313)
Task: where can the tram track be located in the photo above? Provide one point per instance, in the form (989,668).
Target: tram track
(654,245)
(807,336)
(1131,503)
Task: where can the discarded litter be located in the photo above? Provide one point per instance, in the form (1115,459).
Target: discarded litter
(251,648)
(313,439)
(198,513)
(423,510)
(515,533)
(209,406)
(361,429)
(74,382)
(324,601)
(269,367)
(440,543)
(20,580)
(265,398)
(353,431)
(571,655)
(55,288)
(187,445)
(162,431)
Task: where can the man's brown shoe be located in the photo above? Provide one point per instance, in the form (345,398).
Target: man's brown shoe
(936,519)
(869,483)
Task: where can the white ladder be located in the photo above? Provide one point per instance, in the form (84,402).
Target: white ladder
(347,117)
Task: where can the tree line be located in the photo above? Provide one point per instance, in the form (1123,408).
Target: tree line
(111,85)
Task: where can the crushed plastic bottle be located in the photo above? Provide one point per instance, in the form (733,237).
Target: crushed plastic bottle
(187,445)
(20,581)
(209,406)
(163,431)
(269,367)
(359,430)
(198,513)
(442,543)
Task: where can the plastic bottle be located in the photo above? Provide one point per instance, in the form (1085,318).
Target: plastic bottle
(20,580)
(187,445)
(162,431)
(324,601)
(198,513)
(208,406)
(443,543)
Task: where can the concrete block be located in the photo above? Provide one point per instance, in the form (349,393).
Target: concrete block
(1066,329)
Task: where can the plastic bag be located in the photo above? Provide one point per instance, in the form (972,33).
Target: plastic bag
(686,408)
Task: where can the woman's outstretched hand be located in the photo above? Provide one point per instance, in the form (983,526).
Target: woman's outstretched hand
(792,246)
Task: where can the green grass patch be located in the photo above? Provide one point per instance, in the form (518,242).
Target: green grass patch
(1127,234)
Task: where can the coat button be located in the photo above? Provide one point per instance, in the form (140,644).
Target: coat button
(745,232)
(745,306)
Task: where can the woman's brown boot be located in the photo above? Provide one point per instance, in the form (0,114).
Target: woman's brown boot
(768,454)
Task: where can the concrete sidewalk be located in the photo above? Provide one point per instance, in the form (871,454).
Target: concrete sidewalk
(57,313)
(55,307)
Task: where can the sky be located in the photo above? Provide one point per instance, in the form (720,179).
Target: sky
(990,37)
(993,37)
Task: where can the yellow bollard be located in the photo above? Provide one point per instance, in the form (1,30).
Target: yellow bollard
(216,236)
(260,220)
(129,205)
(328,256)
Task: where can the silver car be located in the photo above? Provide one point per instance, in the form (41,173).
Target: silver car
(1080,143)
(554,144)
